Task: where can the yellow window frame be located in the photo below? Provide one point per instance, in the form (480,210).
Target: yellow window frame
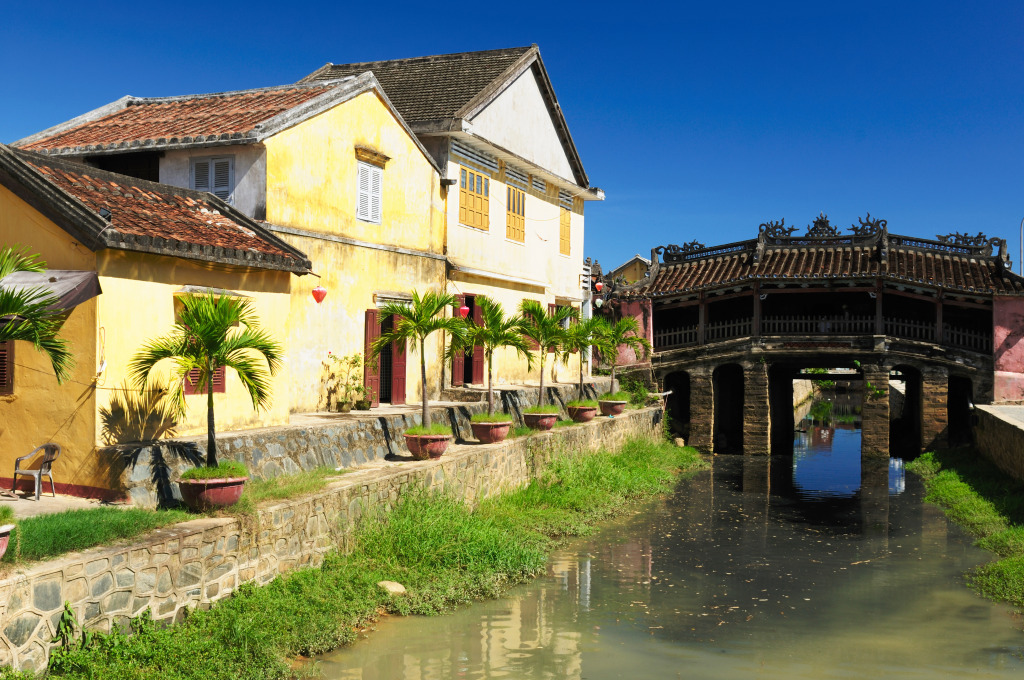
(515,214)
(565,232)
(474,198)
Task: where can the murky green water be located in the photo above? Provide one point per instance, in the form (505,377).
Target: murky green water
(806,567)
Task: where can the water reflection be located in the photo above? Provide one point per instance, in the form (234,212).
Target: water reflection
(739,573)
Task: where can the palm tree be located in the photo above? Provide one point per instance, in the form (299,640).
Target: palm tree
(625,331)
(582,335)
(202,343)
(496,331)
(33,314)
(416,321)
(544,329)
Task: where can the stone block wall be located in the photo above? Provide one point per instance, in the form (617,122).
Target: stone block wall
(148,472)
(198,562)
(999,436)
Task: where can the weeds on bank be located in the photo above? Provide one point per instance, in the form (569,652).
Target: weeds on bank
(445,555)
(980,497)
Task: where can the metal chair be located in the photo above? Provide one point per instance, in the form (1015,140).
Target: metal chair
(50,454)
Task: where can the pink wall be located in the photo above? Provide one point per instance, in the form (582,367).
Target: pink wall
(1008,348)
(641,311)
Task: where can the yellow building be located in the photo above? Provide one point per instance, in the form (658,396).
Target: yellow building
(515,184)
(145,244)
(630,271)
(330,167)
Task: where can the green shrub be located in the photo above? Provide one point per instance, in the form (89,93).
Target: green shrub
(547,409)
(436,429)
(6,514)
(493,418)
(226,468)
(636,390)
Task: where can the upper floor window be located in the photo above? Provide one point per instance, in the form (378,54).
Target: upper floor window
(474,198)
(565,232)
(369,192)
(215,174)
(515,215)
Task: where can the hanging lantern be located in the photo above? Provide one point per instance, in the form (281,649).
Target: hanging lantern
(463,310)
(319,293)
(598,286)
(599,302)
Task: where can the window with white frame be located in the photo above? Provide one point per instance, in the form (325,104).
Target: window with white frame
(215,174)
(369,192)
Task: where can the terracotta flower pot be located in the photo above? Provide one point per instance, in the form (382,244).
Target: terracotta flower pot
(612,408)
(540,421)
(582,414)
(5,536)
(205,494)
(491,433)
(423,446)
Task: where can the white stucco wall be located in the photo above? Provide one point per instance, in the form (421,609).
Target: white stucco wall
(519,121)
(250,193)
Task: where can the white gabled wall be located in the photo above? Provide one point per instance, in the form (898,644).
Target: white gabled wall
(519,121)
(250,173)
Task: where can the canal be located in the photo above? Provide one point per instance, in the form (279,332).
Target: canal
(810,566)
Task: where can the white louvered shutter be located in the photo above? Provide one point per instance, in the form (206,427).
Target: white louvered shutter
(201,175)
(376,180)
(222,179)
(363,192)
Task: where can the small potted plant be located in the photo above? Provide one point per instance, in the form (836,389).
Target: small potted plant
(428,441)
(490,428)
(7,525)
(582,410)
(613,403)
(348,370)
(362,402)
(204,488)
(541,417)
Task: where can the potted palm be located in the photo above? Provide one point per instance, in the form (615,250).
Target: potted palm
(495,332)
(624,332)
(580,337)
(416,321)
(204,341)
(548,332)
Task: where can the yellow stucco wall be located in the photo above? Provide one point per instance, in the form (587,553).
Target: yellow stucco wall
(311,185)
(138,305)
(40,410)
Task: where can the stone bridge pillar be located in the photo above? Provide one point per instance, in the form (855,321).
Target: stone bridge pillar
(875,412)
(702,409)
(756,410)
(934,408)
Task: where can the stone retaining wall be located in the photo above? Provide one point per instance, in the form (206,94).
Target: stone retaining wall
(148,471)
(198,562)
(999,436)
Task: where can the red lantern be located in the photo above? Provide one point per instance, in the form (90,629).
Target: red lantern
(463,310)
(598,286)
(319,293)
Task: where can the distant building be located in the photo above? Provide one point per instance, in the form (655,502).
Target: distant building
(632,270)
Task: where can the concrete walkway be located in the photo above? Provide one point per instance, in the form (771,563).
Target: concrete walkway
(27,505)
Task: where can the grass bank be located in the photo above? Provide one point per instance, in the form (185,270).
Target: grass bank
(445,554)
(980,497)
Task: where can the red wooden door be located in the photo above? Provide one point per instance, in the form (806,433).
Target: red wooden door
(478,351)
(398,361)
(459,358)
(552,310)
(371,376)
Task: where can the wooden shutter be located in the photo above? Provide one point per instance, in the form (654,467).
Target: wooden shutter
(371,376)
(219,382)
(478,351)
(459,358)
(515,211)
(376,192)
(222,178)
(201,175)
(474,199)
(363,192)
(398,363)
(565,232)
(7,367)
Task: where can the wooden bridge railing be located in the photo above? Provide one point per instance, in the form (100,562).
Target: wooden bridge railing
(910,329)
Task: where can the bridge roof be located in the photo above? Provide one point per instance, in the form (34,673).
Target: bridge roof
(957,262)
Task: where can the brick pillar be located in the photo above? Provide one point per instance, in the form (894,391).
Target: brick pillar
(756,411)
(934,409)
(702,409)
(875,412)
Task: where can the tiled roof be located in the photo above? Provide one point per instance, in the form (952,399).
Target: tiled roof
(152,217)
(430,88)
(159,121)
(914,261)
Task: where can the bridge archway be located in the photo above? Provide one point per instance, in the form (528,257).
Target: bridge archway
(728,390)
(960,402)
(905,410)
(678,403)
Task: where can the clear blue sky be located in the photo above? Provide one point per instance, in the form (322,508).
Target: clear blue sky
(699,120)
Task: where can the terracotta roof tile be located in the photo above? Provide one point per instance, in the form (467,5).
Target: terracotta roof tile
(154,121)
